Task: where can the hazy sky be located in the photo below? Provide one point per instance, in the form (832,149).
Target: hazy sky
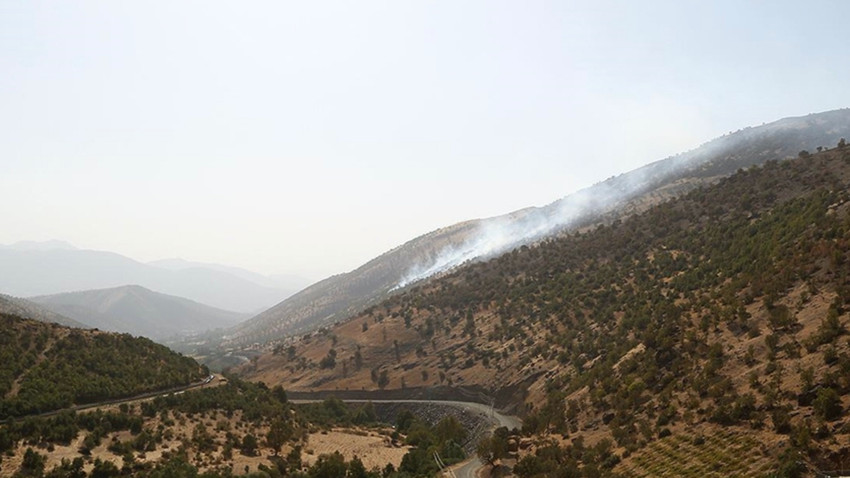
(308,137)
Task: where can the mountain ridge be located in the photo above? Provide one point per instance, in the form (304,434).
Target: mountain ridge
(139,311)
(724,312)
(30,310)
(41,272)
(338,297)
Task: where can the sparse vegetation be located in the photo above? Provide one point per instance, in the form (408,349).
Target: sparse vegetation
(699,310)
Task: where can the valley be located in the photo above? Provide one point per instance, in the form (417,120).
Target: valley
(686,316)
(549,239)
(721,311)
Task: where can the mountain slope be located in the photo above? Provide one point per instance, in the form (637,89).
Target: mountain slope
(47,367)
(139,311)
(289,284)
(30,310)
(338,297)
(39,272)
(724,312)
(39,246)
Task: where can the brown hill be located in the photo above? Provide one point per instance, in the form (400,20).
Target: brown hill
(339,297)
(724,311)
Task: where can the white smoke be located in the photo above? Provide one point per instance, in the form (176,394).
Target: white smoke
(498,235)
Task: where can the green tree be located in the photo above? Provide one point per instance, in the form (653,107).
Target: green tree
(449,428)
(104,469)
(293,458)
(827,404)
(279,433)
(249,445)
(358,359)
(280,394)
(68,469)
(32,464)
(383,379)
(356,469)
(494,447)
(329,466)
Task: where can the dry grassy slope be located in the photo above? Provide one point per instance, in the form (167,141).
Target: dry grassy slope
(560,351)
(339,297)
(378,351)
(372,445)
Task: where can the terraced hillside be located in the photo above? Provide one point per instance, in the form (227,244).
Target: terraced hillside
(714,451)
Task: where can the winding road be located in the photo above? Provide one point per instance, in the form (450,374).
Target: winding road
(118,401)
(470,467)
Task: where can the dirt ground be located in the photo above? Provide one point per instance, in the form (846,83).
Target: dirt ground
(373,449)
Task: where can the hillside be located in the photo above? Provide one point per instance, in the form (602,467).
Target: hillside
(723,312)
(41,269)
(30,310)
(46,367)
(139,311)
(338,297)
(286,282)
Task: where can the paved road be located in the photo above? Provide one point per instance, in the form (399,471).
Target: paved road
(468,468)
(117,401)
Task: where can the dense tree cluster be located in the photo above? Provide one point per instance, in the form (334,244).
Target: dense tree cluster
(334,412)
(55,367)
(445,439)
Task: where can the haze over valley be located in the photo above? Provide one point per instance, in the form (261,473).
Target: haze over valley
(401,240)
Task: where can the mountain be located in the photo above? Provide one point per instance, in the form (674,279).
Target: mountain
(30,310)
(288,283)
(46,367)
(39,246)
(338,297)
(41,271)
(139,311)
(704,336)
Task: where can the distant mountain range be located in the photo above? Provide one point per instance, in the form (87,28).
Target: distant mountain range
(139,311)
(286,282)
(41,268)
(30,310)
(338,297)
(39,246)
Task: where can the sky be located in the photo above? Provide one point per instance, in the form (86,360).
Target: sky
(309,137)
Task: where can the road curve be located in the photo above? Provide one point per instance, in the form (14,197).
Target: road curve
(470,467)
(117,401)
